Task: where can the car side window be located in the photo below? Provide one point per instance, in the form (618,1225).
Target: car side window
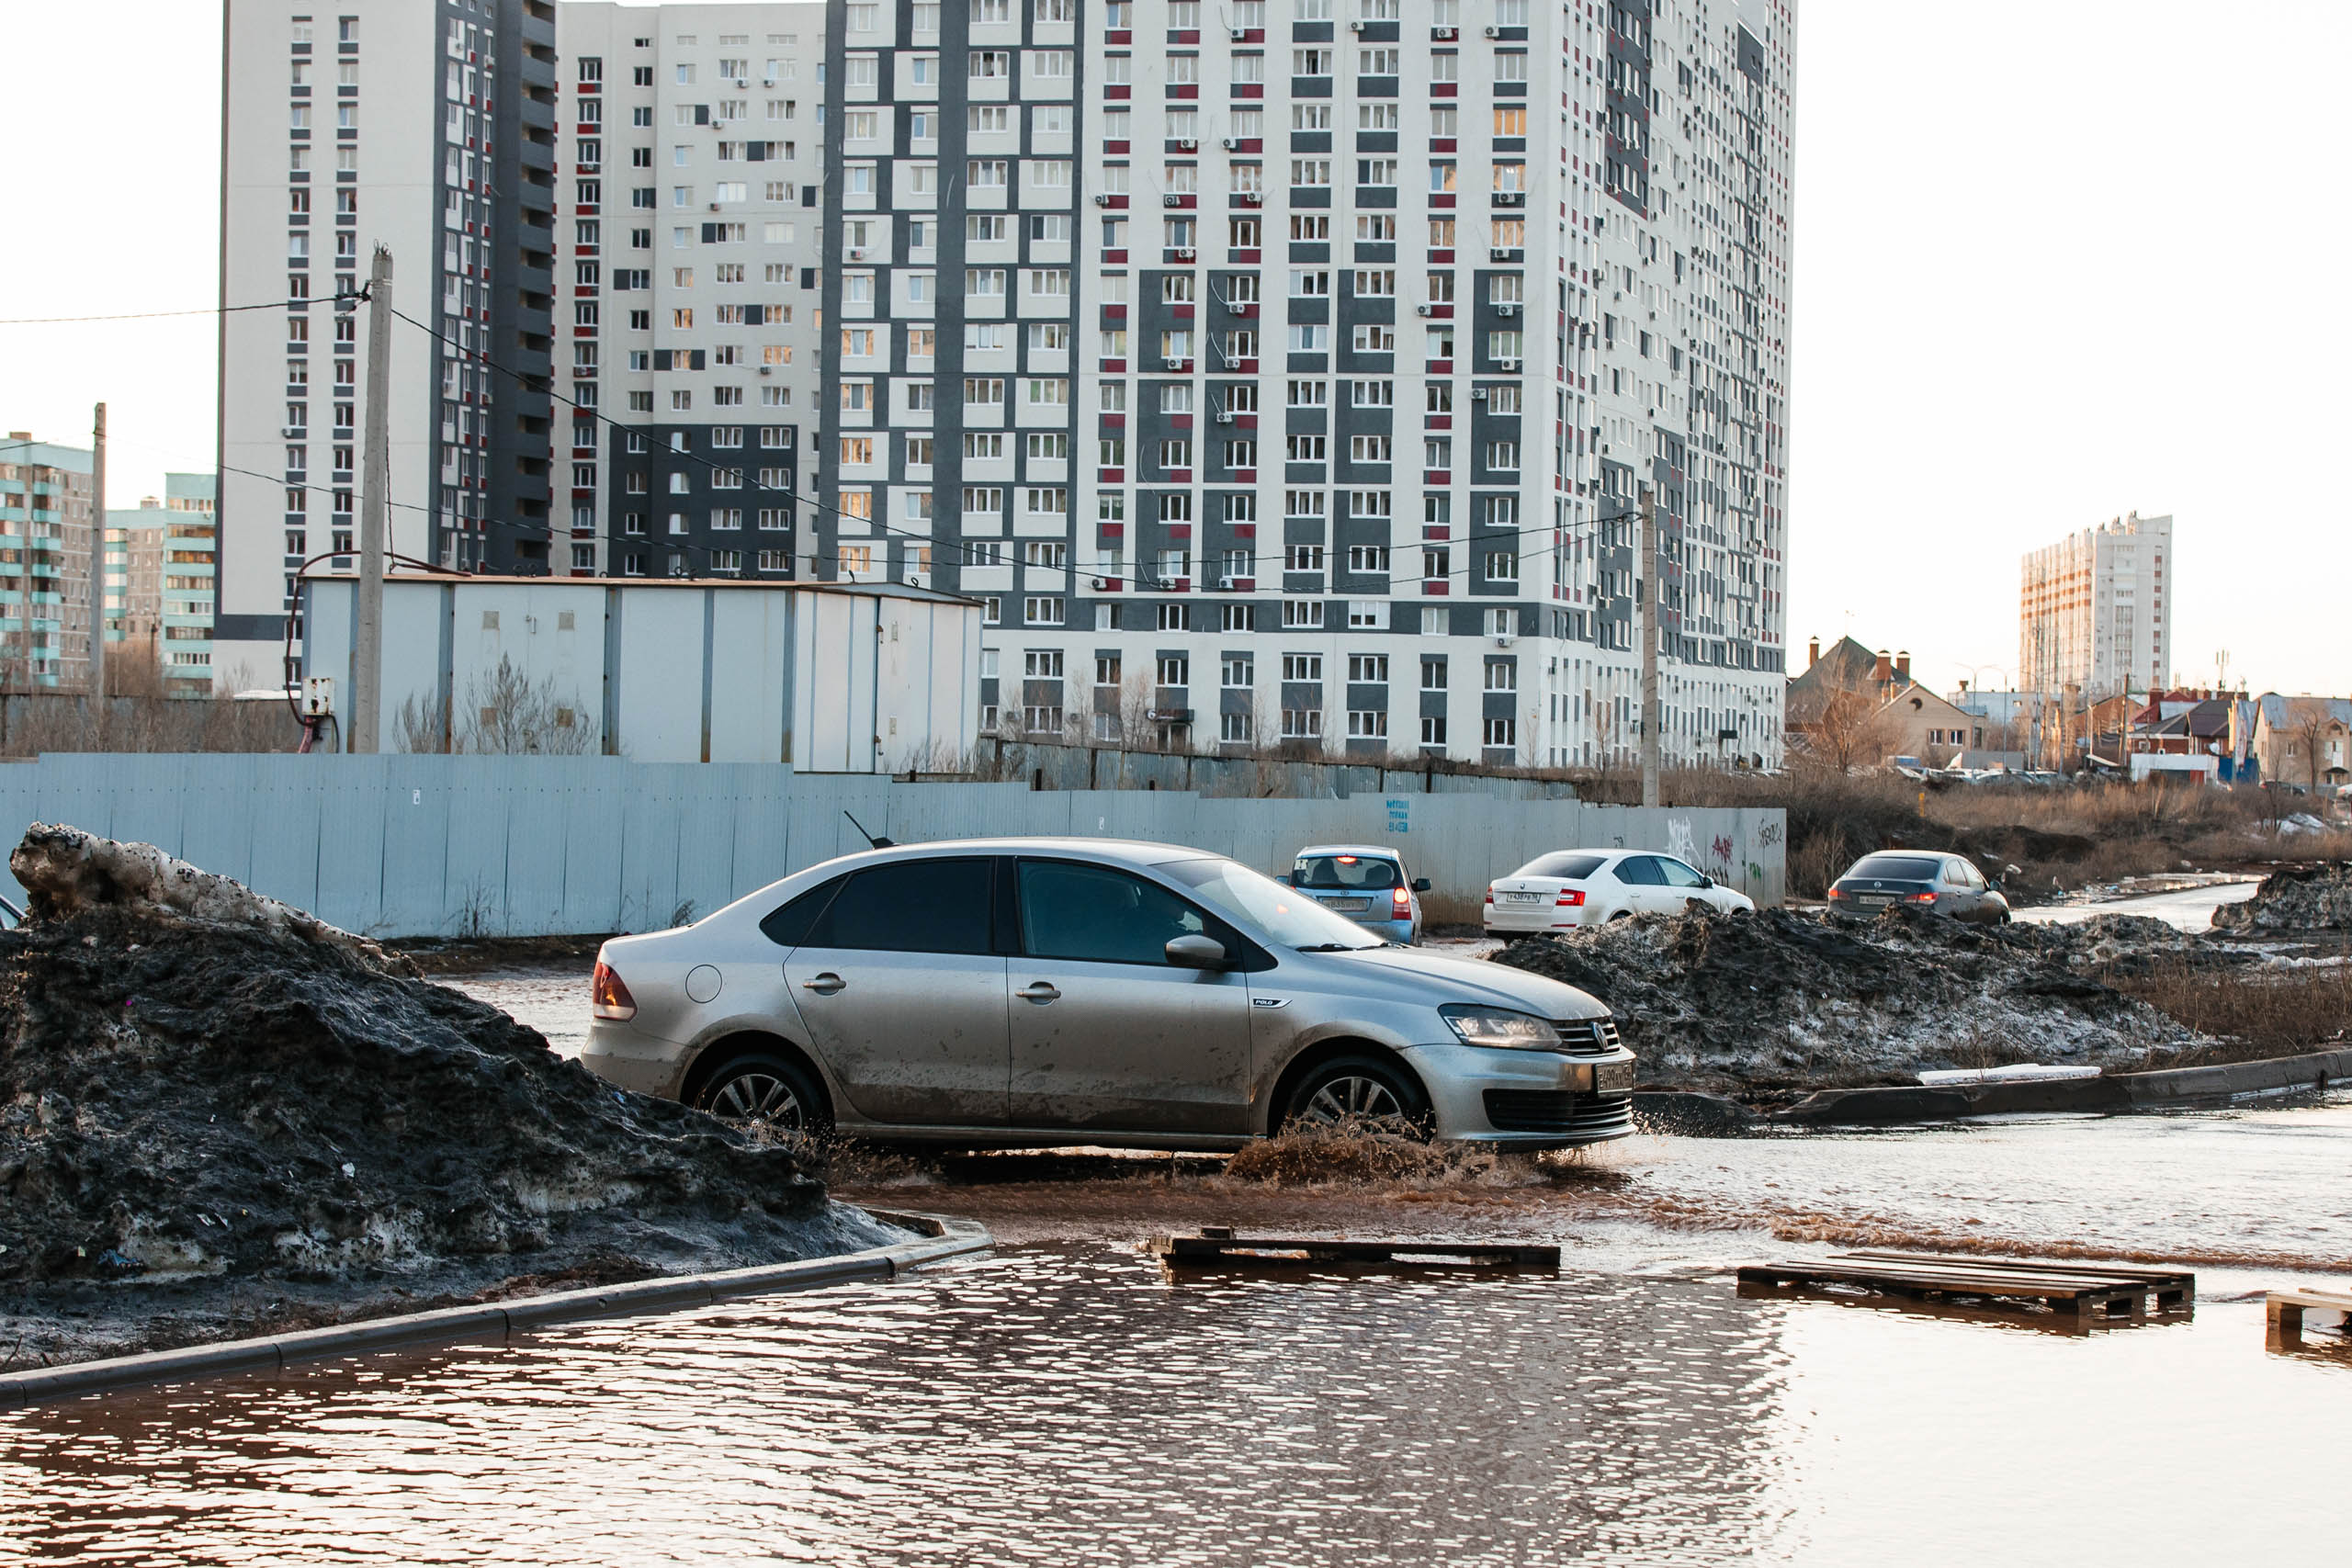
(1099,915)
(1639,871)
(914,906)
(1676,873)
(787,925)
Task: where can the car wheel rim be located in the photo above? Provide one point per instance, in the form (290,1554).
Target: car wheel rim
(758,1097)
(1353,1097)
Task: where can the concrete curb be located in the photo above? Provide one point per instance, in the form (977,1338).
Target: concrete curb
(2120,1091)
(947,1237)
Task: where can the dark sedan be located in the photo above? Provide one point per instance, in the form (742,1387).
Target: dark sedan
(1948,885)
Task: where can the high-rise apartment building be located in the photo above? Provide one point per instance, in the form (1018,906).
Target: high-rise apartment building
(690,156)
(45,522)
(428,127)
(2092,612)
(191,531)
(1295,370)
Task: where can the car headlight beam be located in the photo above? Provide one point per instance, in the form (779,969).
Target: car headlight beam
(1501,1027)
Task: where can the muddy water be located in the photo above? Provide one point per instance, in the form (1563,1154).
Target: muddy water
(1071,1405)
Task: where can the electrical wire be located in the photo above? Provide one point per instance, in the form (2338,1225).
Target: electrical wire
(148,315)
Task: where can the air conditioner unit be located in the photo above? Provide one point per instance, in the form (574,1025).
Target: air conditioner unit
(1173,363)
(1506,309)
(1503,639)
(1500,252)
(1231,142)
(1224,416)
(1183,253)
(1226,583)
(1250,198)
(1239,35)
(1494,33)
(1171,201)
(767,370)
(1187,144)
(1102,201)
(1507,364)
(293,431)
(1423,310)
(1355,27)
(1509,198)
(1441,32)
(1478,394)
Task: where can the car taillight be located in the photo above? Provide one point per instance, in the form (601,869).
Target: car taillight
(609,997)
(1571,897)
(1838,893)
(1923,897)
(1490,895)
(1401,899)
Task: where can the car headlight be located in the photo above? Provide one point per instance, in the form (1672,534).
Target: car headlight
(1496,1026)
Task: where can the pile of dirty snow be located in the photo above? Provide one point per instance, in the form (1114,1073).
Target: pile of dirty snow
(214,1106)
(1785,999)
(2302,898)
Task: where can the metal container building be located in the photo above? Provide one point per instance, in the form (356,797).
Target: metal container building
(869,678)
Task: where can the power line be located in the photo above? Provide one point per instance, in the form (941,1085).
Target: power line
(148,315)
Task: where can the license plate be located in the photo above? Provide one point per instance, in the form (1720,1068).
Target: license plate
(1349,905)
(1868,902)
(1521,899)
(1613,1078)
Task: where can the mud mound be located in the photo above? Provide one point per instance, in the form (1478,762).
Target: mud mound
(2304,899)
(1780,999)
(203,1088)
(1359,1153)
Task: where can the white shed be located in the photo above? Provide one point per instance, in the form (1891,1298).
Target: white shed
(827,676)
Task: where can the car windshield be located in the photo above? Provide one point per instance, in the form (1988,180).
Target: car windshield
(1344,872)
(1258,900)
(1568,865)
(1895,868)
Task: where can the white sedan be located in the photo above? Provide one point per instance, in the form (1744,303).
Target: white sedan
(1585,887)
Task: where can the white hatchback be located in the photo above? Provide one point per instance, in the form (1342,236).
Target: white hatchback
(1584,887)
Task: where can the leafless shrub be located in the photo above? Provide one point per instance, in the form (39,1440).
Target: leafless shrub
(2265,1013)
(31,724)
(506,714)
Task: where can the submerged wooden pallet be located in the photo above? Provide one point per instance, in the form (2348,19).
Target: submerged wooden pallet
(2090,1292)
(1216,1246)
(2282,1312)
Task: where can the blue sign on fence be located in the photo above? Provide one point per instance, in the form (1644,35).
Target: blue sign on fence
(1400,815)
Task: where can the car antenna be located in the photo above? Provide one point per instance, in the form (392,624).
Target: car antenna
(877,844)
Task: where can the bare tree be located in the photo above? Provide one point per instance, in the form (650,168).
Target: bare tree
(507,715)
(1849,728)
(2310,727)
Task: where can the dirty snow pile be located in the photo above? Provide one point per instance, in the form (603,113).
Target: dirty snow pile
(1784,999)
(199,1084)
(2303,898)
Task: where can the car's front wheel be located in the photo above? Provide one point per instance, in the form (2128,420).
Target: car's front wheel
(1358,1089)
(765,1090)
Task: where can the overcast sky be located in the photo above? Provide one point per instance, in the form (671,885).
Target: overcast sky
(2056,260)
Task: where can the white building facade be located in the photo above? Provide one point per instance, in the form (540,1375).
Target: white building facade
(1295,372)
(690,194)
(2093,614)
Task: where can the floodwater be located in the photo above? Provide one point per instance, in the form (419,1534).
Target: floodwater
(1072,1405)
(1064,1401)
(2184,908)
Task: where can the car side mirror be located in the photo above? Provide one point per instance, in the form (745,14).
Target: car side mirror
(1287,878)
(1420,885)
(1193,952)
(1705,881)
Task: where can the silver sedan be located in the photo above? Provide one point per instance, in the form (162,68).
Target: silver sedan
(1013,992)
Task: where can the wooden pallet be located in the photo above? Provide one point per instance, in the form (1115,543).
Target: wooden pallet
(2089,1293)
(2282,1312)
(1216,1246)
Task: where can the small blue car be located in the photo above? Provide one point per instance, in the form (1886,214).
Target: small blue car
(1366,883)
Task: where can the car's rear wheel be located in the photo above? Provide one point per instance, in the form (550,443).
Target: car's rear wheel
(765,1090)
(1358,1089)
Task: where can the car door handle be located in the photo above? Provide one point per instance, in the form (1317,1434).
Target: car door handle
(1040,993)
(825,985)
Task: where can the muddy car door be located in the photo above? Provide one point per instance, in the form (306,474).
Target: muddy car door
(1106,1033)
(903,996)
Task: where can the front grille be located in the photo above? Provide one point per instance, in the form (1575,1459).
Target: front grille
(1558,1111)
(1587,1036)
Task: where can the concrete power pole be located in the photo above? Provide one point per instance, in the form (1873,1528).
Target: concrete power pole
(98,572)
(375,506)
(1650,651)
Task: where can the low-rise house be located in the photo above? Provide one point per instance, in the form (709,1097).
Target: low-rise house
(2303,740)
(1855,708)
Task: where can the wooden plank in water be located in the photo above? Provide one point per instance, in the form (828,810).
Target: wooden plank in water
(1216,1246)
(2282,1312)
(2171,1288)
(2088,1292)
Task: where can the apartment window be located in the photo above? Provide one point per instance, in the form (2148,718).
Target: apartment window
(1236,672)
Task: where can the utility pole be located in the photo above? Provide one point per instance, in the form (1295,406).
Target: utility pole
(374,506)
(1649,650)
(97,574)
